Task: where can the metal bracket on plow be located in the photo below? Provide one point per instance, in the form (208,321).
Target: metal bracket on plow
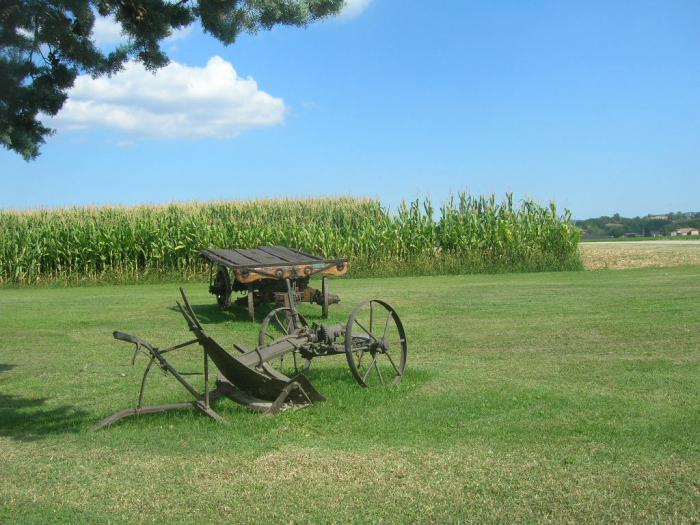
(271,407)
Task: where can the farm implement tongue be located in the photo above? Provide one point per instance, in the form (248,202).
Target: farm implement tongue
(373,341)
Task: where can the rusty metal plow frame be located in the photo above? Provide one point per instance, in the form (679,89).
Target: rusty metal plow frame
(305,393)
(202,402)
(248,378)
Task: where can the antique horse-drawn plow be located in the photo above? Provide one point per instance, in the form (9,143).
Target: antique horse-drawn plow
(261,272)
(271,376)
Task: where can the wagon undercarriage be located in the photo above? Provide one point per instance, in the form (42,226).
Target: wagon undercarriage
(260,274)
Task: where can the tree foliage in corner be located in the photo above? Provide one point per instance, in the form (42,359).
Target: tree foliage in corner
(46,44)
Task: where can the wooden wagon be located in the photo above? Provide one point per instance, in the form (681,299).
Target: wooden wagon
(261,273)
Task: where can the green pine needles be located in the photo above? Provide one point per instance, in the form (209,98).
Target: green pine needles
(468,235)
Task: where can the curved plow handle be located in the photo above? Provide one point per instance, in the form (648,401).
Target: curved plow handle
(132,339)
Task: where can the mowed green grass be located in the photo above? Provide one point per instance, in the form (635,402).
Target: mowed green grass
(554,397)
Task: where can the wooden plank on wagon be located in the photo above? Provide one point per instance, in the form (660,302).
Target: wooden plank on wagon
(262,258)
(293,256)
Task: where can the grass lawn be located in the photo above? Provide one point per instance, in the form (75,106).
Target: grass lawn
(562,397)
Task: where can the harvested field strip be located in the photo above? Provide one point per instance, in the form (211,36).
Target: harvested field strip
(642,254)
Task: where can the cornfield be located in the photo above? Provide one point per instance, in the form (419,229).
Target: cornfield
(469,234)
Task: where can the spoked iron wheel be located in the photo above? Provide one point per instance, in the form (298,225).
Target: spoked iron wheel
(375,344)
(222,288)
(278,323)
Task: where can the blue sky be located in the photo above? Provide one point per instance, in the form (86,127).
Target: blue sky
(595,105)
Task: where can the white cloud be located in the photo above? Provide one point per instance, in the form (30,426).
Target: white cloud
(179,34)
(353,8)
(178,101)
(26,33)
(107,31)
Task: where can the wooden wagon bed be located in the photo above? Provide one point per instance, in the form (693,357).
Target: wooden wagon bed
(261,272)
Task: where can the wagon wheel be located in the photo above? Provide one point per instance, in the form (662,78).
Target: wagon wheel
(278,323)
(375,344)
(222,288)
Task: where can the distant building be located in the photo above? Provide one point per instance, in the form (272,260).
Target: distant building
(658,217)
(685,231)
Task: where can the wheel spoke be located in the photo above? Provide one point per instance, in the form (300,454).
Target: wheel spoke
(279,323)
(399,342)
(371,315)
(381,378)
(392,363)
(386,325)
(365,330)
(369,369)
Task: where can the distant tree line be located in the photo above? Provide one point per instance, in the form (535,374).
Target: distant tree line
(649,226)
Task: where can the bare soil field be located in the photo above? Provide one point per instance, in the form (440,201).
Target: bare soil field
(639,254)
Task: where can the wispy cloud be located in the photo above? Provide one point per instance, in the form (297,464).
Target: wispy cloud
(178,101)
(353,8)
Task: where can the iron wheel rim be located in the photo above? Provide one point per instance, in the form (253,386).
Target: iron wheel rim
(223,288)
(283,325)
(375,344)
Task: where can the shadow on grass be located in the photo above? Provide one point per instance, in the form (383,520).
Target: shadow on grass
(211,313)
(340,377)
(28,419)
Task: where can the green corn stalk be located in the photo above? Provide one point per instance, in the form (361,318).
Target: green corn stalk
(466,234)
